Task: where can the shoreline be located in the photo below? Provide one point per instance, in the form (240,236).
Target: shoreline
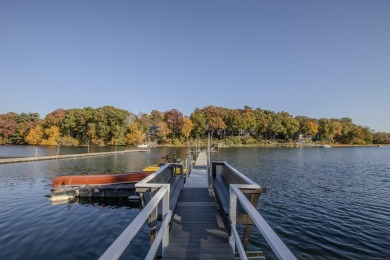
(292,145)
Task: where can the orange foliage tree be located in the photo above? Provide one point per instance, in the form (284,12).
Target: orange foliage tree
(135,135)
(187,127)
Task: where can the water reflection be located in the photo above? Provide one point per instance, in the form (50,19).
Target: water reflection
(33,228)
(100,202)
(323,203)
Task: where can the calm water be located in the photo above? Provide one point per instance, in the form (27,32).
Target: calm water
(33,228)
(324,203)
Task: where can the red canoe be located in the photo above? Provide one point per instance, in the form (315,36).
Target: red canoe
(99,179)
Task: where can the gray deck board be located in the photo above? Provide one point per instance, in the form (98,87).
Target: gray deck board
(197,231)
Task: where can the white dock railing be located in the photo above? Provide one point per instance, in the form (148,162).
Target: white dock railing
(276,244)
(122,242)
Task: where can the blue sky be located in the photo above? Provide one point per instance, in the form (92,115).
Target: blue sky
(315,58)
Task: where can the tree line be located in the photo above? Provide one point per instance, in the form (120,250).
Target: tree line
(109,125)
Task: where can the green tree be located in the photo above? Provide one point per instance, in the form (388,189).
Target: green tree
(276,126)
(145,122)
(198,119)
(290,124)
(234,121)
(261,122)
(248,120)
(156,117)
(325,129)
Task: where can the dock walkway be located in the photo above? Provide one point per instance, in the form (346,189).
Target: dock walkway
(197,230)
(64,156)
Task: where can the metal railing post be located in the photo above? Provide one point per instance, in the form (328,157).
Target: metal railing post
(233,217)
(165,209)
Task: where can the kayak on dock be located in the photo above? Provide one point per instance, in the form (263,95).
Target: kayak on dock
(167,159)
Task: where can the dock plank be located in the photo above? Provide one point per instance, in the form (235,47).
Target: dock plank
(197,230)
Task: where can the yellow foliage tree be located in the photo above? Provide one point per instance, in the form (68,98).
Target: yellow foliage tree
(162,130)
(53,134)
(35,135)
(135,135)
(187,127)
(313,127)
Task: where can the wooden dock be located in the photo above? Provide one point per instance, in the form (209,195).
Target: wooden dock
(194,227)
(197,230)
(64,156)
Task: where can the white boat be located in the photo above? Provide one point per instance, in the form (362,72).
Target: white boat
(325,146)
(142,145)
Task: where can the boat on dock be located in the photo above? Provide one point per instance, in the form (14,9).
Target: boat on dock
(70,187)
(167,159)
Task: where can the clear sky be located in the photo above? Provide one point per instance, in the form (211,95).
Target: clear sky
(327,58)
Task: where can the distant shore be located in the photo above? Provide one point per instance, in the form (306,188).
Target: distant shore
(222,145)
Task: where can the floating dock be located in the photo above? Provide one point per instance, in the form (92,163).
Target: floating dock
(197,230)
(65,156)
(199,214)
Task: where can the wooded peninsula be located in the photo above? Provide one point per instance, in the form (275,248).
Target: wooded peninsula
(113,126)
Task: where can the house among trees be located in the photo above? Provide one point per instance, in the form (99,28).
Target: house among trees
(304,138)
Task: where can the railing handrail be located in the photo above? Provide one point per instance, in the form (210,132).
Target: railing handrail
(121,243)
(276,244)
(242,176)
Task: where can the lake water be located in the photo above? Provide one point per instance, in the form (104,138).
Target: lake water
(323,203)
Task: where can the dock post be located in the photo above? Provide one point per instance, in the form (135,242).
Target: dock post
(208,160)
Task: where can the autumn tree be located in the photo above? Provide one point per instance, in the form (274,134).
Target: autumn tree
(187,127)
(7,127)
(248,120)
(337,130)
(381,138)
(214,118)
(34,136)
(174,120)
(162,130)
(52,136)
(144,122)
(54,118)
(233,121)
(134,136)
(156,117)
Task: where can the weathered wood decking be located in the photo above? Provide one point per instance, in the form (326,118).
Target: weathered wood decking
(197,229)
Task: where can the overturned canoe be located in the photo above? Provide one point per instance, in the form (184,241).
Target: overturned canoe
(98,179)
